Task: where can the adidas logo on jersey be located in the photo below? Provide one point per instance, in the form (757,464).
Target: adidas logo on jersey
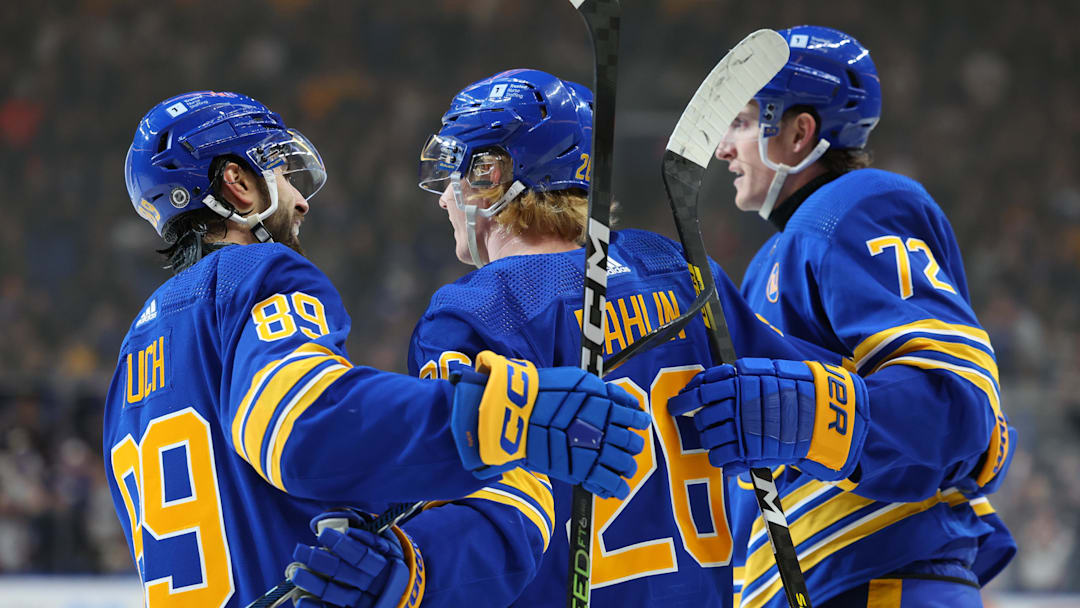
(614,267)
(148,315)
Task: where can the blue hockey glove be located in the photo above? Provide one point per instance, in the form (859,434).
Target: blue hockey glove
(352,567)
(560,421)
(765,412)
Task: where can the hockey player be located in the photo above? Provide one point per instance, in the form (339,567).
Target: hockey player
(511,168)
(864,263)
(235,416)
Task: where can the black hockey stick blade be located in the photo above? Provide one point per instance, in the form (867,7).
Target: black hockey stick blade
(602,18)
(726,90)
(284,591)
(661,334)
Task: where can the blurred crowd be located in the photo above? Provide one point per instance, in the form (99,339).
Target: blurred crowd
(978,106)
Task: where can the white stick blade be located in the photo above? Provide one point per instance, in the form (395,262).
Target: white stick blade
(728,87)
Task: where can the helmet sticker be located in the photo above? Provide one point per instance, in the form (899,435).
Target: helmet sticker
(179,197)
(176,109)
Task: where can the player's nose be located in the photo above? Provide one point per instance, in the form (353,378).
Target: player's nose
(726,150)
(444,200)
(302,205)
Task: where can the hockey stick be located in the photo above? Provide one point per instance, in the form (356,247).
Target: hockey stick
(724,92)
(602,18)
(661,334)
(285,590)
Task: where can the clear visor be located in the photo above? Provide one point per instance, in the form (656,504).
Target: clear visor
(300,163)
(440,157)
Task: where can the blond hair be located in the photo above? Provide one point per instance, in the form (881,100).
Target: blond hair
(559,213)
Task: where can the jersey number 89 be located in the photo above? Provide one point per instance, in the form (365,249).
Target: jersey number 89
(168,482)
(274,318)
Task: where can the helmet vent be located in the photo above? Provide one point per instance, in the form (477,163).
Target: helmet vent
(543,112)
(850,104)
(854,79)
(163,142)
(170,164)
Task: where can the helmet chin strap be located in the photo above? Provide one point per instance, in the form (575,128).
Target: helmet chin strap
(782,170)
(480,259)
(253,221)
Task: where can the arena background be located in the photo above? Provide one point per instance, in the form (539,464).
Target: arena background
(979,105)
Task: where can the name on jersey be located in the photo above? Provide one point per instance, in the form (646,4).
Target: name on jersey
(146,371)
(630,318)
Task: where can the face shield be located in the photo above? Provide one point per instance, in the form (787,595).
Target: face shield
(300,164)
(299,160)
(440,158)
(441,162)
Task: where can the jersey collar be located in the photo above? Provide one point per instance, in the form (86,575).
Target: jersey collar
(783,212)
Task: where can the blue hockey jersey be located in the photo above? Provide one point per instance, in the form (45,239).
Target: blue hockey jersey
(669,542)
(867,266)
(235,416)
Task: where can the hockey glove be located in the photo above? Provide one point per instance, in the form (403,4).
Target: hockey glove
(562,421)
(765,412)
(352,567)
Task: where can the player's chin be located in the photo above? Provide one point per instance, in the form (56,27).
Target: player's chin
(290,240)
(746,203)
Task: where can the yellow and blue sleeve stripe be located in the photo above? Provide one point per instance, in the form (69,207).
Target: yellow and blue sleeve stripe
(961,350)
(824,523)
(529,493)
(279,394)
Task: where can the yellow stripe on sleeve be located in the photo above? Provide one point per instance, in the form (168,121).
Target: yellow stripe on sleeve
(874,344)
(791,502)
(963,352)
(257,382)
(981,506)
(761,560)
(245,405)
(279,382)
(535,485)
(300,402)
(506,498)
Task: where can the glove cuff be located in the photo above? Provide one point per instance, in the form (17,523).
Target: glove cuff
(465,416)
(491,411)
(841,418)
(414,592)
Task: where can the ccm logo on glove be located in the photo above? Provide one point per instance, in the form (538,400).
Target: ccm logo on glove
(517,394)
(508,402)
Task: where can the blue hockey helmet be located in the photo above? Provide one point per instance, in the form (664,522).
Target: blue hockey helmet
(832,73)
(168,164)
(543,123)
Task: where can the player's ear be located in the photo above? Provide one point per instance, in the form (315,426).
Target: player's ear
(804,127)
(240,187)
